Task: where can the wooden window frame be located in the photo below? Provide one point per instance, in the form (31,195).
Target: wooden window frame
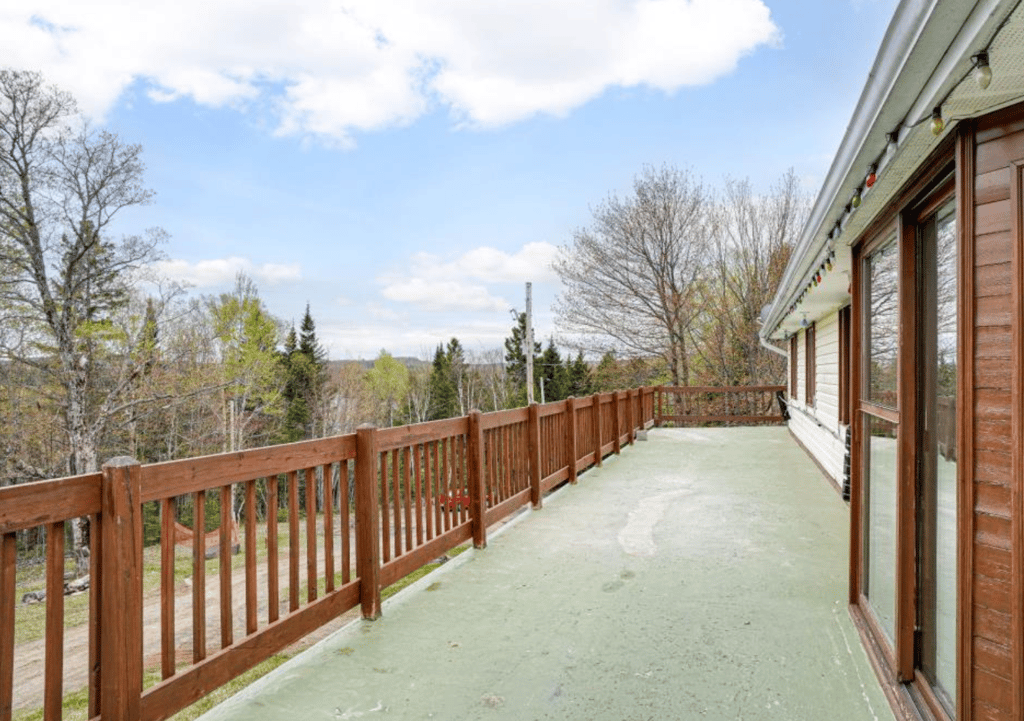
(810,364)
(896,663)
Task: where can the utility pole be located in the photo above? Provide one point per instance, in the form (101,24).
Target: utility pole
(528,343)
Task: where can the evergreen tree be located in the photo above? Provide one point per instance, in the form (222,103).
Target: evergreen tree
(551,376)
(579,378)
(305,366)
(296,411)
(444,399)
(607,373)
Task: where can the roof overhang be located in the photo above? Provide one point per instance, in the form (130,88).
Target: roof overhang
(925,61)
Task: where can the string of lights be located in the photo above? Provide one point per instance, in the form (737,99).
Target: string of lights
(981,69)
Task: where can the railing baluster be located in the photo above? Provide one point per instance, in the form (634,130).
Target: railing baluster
(167,659)
(199,576)
(328,493)
(227,618)
(8,568)
(444,485)
(385,514)
(311,548)
(417,474)
(396,498)
(251,621)
(463,479)
(95,610)
(53,674)
(273,563)
(406,479)
(434,492)
(428,481)
(345,523)
(494,467)
(293,541)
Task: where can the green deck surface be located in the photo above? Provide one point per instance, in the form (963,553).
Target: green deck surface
(699,575)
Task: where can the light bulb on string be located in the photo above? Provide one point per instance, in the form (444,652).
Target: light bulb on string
(855,200)
(871,177)
(892,141)
(982,70)
(937,123)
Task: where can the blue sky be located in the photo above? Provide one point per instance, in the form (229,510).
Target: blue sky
(404,166)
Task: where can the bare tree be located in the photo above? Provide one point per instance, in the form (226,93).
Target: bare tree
(754,236)
(66,280)
(633,278)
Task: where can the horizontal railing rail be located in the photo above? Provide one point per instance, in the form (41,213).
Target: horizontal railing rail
(313,529)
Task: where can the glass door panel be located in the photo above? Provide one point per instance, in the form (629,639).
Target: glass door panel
(879,463)
(937,452)
(880,521)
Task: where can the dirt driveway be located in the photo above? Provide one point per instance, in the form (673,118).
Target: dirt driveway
(30,657)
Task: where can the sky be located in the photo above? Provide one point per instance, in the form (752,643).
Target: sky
(406,166)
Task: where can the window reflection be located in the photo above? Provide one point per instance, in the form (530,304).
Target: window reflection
(880,521)
(938,452)
(882,327)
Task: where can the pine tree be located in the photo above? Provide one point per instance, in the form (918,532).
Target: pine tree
(607,374)
(305,364)
(551,372)
(296,411)
(579,377)
(444,399)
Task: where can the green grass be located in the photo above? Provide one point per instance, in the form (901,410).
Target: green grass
(30,620)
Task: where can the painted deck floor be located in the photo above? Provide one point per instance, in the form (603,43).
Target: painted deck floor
(699,575)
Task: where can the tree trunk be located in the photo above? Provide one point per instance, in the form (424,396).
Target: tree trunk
(83,459)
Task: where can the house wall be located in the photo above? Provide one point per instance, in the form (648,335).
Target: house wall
(817,427)
(994,604)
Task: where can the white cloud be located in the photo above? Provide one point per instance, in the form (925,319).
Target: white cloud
(443,295)
(330,70)
(434,284)
(222,271)
(531,262)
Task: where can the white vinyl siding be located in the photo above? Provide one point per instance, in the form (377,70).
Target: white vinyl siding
(818,427)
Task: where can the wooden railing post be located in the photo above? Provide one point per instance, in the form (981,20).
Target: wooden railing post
(616,426)
(597,429)
(367,521)
(657,405)
(121,595)
(631,414)
(570,436)
(533,430)
(477,492)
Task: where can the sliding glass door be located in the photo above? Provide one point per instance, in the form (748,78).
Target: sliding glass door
(909,338)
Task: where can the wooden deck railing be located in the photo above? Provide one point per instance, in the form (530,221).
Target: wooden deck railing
(732,405)
(412,493)
(409,494)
